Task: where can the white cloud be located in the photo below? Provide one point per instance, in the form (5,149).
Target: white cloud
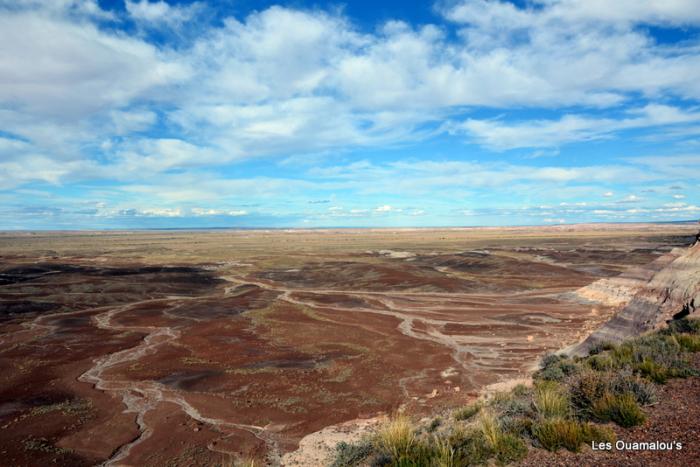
(65,70)
(217,212)
(283,82)
(160,12)
(569,128)
(492,13)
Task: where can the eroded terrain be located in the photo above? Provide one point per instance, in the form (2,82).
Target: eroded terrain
(196,348)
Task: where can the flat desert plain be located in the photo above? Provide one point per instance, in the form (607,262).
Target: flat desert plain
(200,347)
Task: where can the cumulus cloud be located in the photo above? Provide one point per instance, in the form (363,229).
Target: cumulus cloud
(81,101)
(160,12)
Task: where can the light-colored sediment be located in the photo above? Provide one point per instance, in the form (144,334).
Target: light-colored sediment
(668,287)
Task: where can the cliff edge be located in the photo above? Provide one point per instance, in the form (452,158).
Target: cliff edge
(666,289)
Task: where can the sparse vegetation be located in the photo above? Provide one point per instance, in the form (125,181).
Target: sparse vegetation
(468,411)
(351,454)
(568,406)
(550,400)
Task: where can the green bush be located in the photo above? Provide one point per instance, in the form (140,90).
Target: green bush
(517,425)
(550,401)
(397,437)
(472,448)
(683,326)
(556,368)
(490,429)
(553,434)
(557,433)
(434,424)
(603,362)
(601,347)
(652,370)
(468,411)
(585,388)
(347,455)
(621,409)
(626,382)
(689,343)
(510,449)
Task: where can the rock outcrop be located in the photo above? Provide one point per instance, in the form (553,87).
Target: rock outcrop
(666,289)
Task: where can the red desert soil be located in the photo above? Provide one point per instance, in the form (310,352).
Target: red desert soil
(675,418)
(193,348)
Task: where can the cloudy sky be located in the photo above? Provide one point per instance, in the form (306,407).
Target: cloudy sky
(126,114)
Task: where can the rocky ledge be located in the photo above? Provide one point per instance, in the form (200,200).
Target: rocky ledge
(666,289)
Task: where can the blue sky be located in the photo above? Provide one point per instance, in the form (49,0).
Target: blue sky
(144,114)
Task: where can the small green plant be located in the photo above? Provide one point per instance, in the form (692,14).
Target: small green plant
(556,368)
(689,343)
(468,411)
(683,326)
(510,449)
(472,448)
(602,362)
(550,401)
(507,447)
(397,437)
(652,370)
(489,427)
(553,434)
(625,382)
(347,455)
(621,409)
(444,455)
(601,347)
(520,390)
(434,424)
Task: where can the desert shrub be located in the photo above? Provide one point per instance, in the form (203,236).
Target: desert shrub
(601,362)
(623,355)
(491,430)
(505,446)
(621,409)
(468,411)
(444,453)
(585,388)
(663,350)
(551,359)
(553,434)
(556,368)
(512,406)
(434,424)
(683,326)
(626,382)
(652,370)
(510,449)
(351,454)
(601,347)
(472,448)
(397,437)
(517,425)
(689,343)
(520,390)
(550,400)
